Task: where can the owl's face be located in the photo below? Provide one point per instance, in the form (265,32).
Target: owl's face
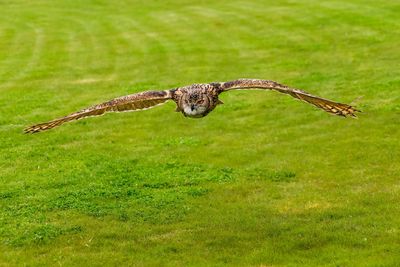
(195,104)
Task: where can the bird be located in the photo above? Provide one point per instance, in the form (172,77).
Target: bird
(194,101)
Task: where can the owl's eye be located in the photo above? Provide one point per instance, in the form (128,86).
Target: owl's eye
(201,101)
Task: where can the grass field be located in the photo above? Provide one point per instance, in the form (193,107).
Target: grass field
(264,180)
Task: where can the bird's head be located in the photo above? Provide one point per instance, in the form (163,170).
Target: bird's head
(196,104)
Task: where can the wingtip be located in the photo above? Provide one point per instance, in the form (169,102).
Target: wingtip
(354,109)
(352,112)
(30,130)
(354,116)
(34,129)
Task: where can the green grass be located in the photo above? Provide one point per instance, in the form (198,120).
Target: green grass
(264,180)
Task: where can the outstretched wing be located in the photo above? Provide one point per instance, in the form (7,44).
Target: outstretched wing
(325,104)
(139,101)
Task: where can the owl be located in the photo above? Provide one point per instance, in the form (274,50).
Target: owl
(194,101)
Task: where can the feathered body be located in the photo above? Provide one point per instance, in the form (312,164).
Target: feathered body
(195,101)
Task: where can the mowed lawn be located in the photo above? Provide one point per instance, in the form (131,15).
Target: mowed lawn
(264,180)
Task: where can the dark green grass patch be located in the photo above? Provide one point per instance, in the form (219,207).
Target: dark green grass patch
(124,189)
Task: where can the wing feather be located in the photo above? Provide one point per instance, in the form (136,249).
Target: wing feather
(139,101)
(325,104)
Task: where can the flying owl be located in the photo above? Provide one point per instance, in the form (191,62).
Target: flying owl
(194,101)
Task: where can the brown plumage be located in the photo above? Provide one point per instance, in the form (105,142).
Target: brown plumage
(194,101)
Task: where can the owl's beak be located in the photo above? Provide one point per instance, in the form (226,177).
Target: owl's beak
(192,107)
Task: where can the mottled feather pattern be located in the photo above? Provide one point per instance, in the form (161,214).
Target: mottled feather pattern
(329,106)
(196,101)
(325,104)
(139,101)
